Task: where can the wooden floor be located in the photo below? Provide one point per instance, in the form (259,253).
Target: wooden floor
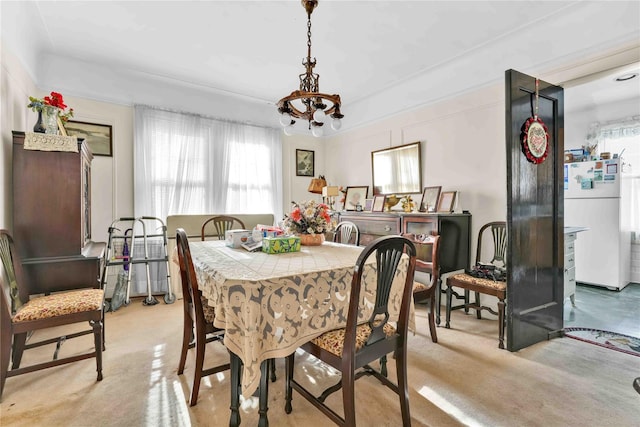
(463,380)
(601,308)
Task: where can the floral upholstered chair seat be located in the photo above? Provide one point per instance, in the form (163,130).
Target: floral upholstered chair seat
(417,287)
(478,281)
(61,304)
(333,341)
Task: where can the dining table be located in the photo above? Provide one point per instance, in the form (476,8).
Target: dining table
(270,304)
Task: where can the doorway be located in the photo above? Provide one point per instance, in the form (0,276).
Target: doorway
(611,99)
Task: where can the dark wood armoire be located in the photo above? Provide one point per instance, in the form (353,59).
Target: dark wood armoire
(52,218)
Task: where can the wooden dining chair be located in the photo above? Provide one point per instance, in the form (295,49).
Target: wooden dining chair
(218,225)
(484,285)
(426,280)
(352,348)
(427,263)
(347,232)
(198,317)
(21,316)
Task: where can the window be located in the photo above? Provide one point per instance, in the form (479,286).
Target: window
(188,164)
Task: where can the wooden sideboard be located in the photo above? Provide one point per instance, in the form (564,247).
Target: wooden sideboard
(52,218)
(454,229)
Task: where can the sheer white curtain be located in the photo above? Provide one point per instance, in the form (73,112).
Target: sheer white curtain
(623,138)
(190,164)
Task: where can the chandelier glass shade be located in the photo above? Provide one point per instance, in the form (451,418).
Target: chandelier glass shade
(308,103)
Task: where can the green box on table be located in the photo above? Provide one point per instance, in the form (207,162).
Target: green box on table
(280,244)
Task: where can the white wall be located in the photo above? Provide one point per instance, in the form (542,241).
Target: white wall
(15,86)
(463,149)
(295,187)
(111,177)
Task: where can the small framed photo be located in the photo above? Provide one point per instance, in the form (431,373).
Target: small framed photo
(368,204)
(378,203)
(445,203)
(430,197)
(98,137)
(305,162)
(355,197)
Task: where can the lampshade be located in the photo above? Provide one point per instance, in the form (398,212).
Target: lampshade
(330,191)
(316,185)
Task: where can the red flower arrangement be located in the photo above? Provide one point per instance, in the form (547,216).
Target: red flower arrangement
(54,100)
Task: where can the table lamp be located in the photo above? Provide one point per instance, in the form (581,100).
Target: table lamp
(328,194)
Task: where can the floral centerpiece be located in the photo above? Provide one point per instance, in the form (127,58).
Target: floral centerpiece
(309,219)
(53,107)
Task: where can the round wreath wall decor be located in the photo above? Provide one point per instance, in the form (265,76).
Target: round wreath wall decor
(535,140)
(535,136)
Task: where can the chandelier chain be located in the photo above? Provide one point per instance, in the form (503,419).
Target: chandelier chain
(309,35)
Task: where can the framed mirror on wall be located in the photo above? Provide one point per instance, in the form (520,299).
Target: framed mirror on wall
(397,170)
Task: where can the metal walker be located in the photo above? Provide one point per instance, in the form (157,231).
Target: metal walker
(116,254)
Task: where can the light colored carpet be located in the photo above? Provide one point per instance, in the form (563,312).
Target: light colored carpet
(463,380)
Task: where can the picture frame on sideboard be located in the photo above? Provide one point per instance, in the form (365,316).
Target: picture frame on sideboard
(355,196)
(446,201)
(430,198)
(378,203)
(368,205)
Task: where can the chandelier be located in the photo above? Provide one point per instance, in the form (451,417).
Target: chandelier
(309,103)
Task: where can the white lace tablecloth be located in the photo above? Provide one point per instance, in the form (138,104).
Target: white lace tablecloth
(269,305)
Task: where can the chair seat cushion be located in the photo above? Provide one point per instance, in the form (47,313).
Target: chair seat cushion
(488,283)
(333,341)
(60,304)
(417,287)
(209,312)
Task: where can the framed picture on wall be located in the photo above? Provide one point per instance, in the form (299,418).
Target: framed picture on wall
(430,196)
(378,203)
(98,137)
(355,196)
(445,204)
(305,162)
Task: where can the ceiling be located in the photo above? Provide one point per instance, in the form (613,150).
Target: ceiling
(236,59)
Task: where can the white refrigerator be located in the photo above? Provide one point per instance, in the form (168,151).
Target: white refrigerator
(596,197)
